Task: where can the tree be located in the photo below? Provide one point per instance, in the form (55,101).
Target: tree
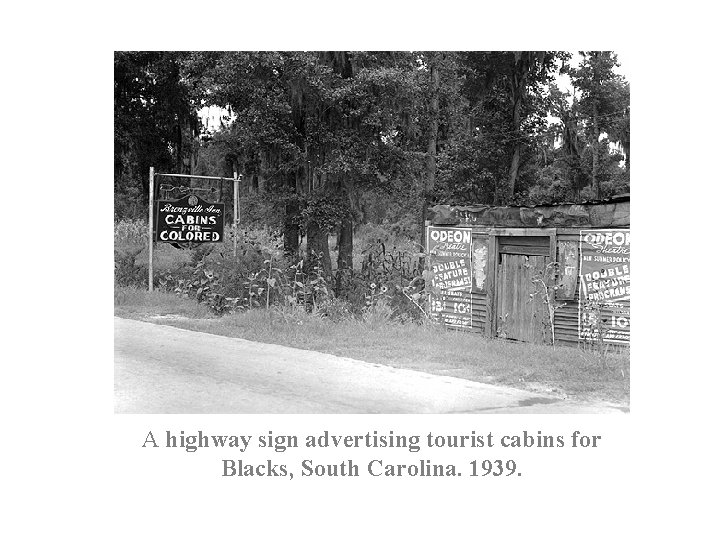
(328,123)
(328,140)
(155,121)
(500,129)
(269,94)
(604,104)
(434,61)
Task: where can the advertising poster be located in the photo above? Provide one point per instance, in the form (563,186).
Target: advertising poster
(568,259)
(480,263)
(450,275)
(604,307)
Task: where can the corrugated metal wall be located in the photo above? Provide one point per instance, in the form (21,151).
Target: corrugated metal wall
(479,311)
(567,324)
(566,317)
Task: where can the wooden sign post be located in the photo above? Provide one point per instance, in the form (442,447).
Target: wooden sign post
(236,211)
(204,222)
(150,228)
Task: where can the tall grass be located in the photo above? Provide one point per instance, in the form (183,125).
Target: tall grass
(131,233)
(132,301)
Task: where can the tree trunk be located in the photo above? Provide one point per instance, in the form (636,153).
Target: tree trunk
(626,148)
(318,249)
(345,245)
(431,156)
(341,63)
(515,163)
(262,172)
(595,154)
(291,231)
(519,79)
(345,253)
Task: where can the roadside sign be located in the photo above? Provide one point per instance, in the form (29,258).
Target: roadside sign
(189,219)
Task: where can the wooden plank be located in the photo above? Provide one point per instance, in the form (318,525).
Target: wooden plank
(525,250)
(520,315)
(499,305)
(491,322)
(518,288)
(553,260)
(524,240)
(524,302)
(520,231)
(508,285)
(510,311)
(541,306)
(501,315)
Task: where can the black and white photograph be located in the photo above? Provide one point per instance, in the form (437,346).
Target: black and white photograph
(371,232)
(358,271)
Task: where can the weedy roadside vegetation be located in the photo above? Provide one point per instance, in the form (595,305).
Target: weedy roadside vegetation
(379,338)
(384,287)
(545,285)
(373,314)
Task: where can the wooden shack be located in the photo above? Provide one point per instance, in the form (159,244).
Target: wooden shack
(542,274)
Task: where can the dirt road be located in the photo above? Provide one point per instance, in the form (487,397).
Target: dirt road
(163,369)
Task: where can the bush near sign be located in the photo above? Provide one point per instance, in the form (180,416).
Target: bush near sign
(189,219)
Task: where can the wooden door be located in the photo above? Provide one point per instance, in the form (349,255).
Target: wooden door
(520,314)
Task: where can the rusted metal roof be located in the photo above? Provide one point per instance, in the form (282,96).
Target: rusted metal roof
(614,199)
(611,212)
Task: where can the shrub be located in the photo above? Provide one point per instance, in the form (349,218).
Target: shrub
(131,232)
(391,267)
(260,277)
(127,273)
(130,236)
(378,313)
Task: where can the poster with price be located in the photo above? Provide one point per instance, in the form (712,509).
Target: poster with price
(450,275)
(604,307)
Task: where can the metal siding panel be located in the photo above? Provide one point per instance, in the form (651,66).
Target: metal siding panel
(567,320)
(479,311)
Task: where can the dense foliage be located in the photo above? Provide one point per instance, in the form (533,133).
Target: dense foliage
(328,141)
